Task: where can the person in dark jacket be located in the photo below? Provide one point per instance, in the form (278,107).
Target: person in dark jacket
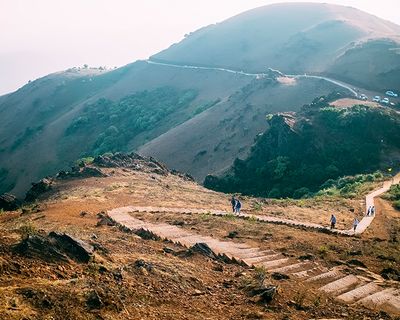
(233,202)
(238,206)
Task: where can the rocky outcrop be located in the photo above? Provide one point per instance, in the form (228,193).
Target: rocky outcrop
(38,188)
(9,202)
(55,247)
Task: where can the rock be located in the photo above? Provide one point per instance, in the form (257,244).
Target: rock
(38,189)
(104,220)
(307,257)
(93,300)
(54,248)
(168,250)
(117,274)
(88,172)
(264,294)
(356,262)
(391,274)
(218,267)
(73,247)
(203,249)
(9,202)
(37,246)
(232,234)
(83,213)
(279,276)
(178,223)
(197,293)
(143,264)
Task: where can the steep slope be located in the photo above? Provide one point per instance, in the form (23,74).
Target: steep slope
(209,142)
(38,118)
(294,38)
(299,152)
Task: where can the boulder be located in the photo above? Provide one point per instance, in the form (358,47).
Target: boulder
(88,172)
(38,188)
(203,249)
(54,247)
(93,300)
(75,248)
(9,202)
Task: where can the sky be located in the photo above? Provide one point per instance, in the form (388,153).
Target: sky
(38,37)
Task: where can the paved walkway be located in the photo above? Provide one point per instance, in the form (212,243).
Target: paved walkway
(363,225)
(369,290)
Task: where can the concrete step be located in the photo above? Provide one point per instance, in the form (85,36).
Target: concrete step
(292,268)
(274,263)
(340,285)
(380,297)
(326,277)
(359,293)
(262,259)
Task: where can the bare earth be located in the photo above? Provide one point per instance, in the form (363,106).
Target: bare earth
(178,286)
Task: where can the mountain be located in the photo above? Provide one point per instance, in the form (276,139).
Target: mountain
(183,105)
(301,153)
(298,38)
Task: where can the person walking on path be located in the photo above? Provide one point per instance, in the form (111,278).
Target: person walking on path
(372,210)
(369,211)
(333,221)
(355,223)
(233,202)
(238,206)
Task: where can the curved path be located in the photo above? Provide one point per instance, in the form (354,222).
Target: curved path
(363,225)
(336,82)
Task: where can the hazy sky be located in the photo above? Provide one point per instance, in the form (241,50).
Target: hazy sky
(38,37)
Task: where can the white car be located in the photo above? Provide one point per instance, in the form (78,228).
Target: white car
(391,94)
(363,97)
(385,100)
(377,99)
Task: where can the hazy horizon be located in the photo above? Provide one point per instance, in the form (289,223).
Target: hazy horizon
(46,36)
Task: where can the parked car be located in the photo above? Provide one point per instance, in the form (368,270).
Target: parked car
(363,97)
(377,99)
(385,100)
(391,94)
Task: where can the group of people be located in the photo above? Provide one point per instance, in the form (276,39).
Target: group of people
(370,211)
(333,222)
(236,205)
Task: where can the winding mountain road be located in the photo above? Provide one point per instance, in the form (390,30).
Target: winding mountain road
(296,76)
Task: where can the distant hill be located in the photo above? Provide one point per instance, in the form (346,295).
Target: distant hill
(298,38)
(196,120)
(300,152)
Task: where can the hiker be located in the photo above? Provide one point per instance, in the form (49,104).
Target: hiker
(333,221)
(233,202)
(368,211)
(238,206)
(355,224)
(372,210)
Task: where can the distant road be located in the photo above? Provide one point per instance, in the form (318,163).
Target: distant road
(336,82)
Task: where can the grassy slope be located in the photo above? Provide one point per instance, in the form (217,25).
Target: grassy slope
(44,145)
(212,140)
(310,39)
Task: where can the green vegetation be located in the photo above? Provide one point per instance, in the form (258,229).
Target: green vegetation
(300,155)
(351,186)
(116,123)
(24,137)
(394,195)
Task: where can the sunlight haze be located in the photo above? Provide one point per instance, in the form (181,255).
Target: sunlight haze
(45,36)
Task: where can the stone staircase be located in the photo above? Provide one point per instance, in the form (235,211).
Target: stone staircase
(369,290)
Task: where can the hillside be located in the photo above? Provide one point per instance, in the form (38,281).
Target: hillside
(62,257)
(312,38)
(196,120)
(300,152)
